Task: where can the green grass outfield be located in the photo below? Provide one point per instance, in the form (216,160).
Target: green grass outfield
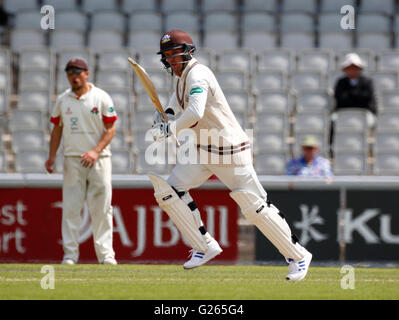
(171,282)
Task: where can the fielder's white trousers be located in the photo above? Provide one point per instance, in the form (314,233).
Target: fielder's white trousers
(187,176)
(93,185)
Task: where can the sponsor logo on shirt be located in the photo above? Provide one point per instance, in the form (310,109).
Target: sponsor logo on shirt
(196,90)
(94,110)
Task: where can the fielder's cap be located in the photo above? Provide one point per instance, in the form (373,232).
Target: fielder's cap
(352,59)
(76,63)
(310,141)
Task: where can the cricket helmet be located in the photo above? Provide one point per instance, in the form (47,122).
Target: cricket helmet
(176,39)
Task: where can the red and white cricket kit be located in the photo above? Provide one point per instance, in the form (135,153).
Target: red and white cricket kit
(82,119)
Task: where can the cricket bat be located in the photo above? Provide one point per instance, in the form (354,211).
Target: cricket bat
(148,86)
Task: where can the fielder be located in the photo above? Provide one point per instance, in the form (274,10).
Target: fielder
(84,116)
(202,106)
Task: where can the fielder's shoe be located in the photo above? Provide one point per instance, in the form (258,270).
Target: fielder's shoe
(68,261)
(199,258)
(110,261)
(299,269)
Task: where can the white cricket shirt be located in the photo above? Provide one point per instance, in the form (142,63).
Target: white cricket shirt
(82,119)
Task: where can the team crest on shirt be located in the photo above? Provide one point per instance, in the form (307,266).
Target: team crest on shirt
(94,110)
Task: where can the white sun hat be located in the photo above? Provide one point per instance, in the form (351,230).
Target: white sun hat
(352,58)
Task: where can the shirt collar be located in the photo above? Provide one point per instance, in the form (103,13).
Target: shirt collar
(191,62)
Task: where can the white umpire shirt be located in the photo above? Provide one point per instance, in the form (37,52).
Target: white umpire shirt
(82,119)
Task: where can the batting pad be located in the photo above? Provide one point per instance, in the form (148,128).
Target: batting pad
(178,212)
(267,219)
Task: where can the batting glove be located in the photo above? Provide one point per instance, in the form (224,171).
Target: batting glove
(158,116)
(162,130)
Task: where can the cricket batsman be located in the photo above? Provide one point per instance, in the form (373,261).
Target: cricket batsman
(202,107)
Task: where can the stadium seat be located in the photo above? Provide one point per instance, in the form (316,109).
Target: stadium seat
(139,5)
(5,59)
(92,5)
(3,161)
(389,100)
(269,121)
(276,59)
(42,58)
(26,38)
(241,59)
(108,20)
(28,139)
(386,163)
(385,80)
(206,57)
(388,60)
(145,20)
(350,141)
(168,6)
(5,80)
(333,77)
(388,120)
(189,21)
(122,123)
(220,30)
(13,6)
(27,19)
(335,5)
(116,79)
(297,31)
(351,120)
(4,101)
(259,5)
(149,59)
(122,98)
(232,79)
(331,35)
(27,119)
(239,100)
(211,5)
(311,122)
(303,80)
(386,140)
(160,78)
(33,98)
(377,6)
(31,161)
(143,101)
(114,59)
(313,101)
(350,163)
(258,30)
(144,39)
(142,120)
(33,77)
(274,100)
(299,5)
(71,20)
(61,5)
(270,163)
(322,60)
(142,138)
(270,79)
(122,162)
(373,31)
(119,141)
(270,142)
(61,40)
(105,39)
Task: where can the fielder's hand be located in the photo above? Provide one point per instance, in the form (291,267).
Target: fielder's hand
(49,165)
(161,131)
(88,158)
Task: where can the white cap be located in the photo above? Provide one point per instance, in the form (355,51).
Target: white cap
(352,58)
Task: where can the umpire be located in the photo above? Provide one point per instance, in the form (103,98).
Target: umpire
(84,117)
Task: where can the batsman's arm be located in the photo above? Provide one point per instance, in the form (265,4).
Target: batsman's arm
(55,140)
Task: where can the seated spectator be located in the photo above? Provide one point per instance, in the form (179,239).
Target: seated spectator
(310,164)
(355,90)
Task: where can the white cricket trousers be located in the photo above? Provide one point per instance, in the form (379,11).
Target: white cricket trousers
(188,176)
(95,186)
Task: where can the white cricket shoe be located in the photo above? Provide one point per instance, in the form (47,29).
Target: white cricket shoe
(199,258)
(110,261)
(68,261)
(299,269)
